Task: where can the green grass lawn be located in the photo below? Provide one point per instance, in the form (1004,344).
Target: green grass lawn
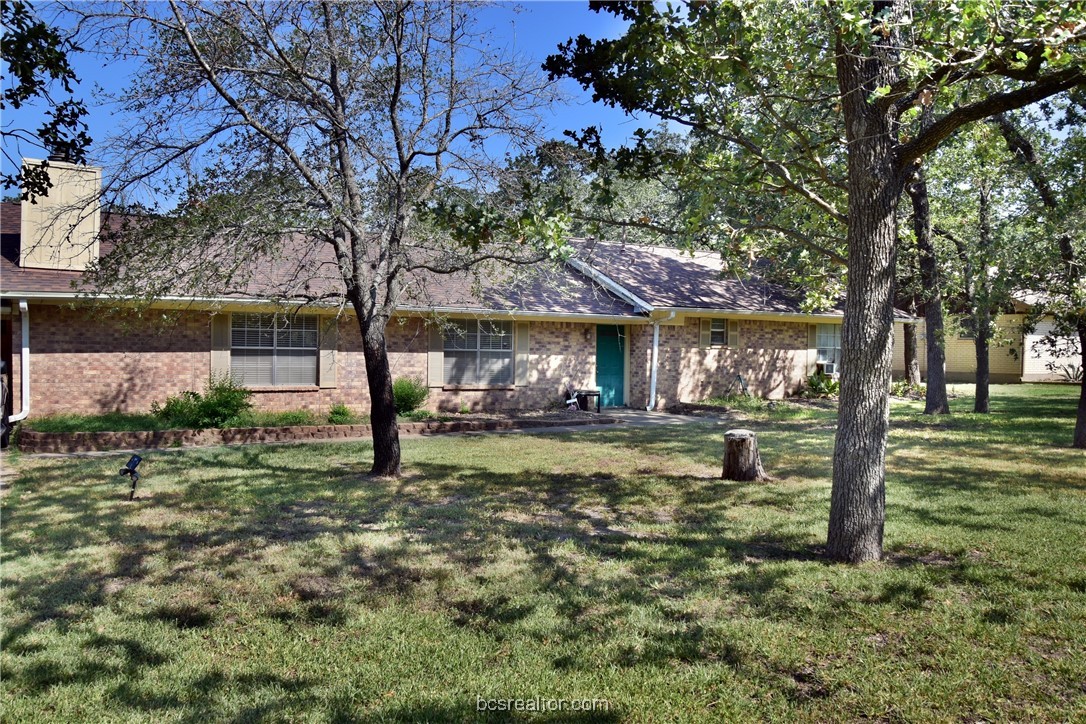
(279,584)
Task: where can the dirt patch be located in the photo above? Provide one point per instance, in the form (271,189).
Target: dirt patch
(314,588)
(712,411)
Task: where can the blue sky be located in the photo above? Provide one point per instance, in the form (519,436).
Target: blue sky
(535,31)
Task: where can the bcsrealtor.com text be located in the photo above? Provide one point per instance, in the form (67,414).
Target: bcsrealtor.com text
(541,704)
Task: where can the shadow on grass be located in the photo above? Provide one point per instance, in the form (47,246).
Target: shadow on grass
(596,549)
(466,517)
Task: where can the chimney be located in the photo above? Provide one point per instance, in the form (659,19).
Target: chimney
(60,231)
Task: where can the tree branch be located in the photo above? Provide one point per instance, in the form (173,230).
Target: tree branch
(939,131)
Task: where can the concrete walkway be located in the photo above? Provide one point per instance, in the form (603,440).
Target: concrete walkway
(644,418)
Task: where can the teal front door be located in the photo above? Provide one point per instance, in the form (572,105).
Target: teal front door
(611,364)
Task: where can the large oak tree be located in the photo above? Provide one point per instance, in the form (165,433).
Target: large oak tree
(363,129)
(820,102)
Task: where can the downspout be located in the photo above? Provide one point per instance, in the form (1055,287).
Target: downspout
(24,365)
(655,359)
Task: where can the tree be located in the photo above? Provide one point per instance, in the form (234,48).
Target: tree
(1058,182)
(792,93)
(36,58)
(935,395)
(363,132)
(909,297)
(979,212)
(601,198)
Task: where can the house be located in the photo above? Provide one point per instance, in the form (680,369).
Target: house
(1016,352)
(648,326)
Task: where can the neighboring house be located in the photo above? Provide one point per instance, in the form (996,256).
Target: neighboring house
(1016,354)
(648,326)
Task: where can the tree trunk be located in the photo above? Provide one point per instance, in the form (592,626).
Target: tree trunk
(858,497)
(982,302)
(741,459)
(1080,422)
(386,436)
(912,360)
(982,343)
(935,399)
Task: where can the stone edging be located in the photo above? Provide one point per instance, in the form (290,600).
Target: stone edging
(69,442)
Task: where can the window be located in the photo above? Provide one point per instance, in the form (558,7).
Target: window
(828,339)
(718,332)
(273,349)
(969,328)
(479,353)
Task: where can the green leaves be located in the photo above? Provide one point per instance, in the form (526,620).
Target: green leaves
(35,57)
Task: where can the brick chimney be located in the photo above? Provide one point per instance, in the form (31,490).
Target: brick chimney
(60,231)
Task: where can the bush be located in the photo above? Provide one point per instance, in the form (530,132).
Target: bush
(410,394)
(282,418)
(822,385)
(1071,373)
(902,388)
(294,417)
(340,414)
(223,401)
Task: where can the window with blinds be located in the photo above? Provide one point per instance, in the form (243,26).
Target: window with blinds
(273,350)
(478,353)
(828,339)
(718,332)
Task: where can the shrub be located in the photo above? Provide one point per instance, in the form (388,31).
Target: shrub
(283,418)
(295,417)
(409,393)
(223,400)
(340,414)
(822,385)
(1071,373)
(419,415)
(902,388)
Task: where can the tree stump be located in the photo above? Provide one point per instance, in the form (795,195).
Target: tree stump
(741,459)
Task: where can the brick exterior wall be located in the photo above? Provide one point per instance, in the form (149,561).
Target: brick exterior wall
(1004,354)
(84,362)
(89,363)
(771,356)
(559,354)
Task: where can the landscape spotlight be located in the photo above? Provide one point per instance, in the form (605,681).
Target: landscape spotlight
(130,470)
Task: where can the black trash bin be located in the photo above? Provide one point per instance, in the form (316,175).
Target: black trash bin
(582,401)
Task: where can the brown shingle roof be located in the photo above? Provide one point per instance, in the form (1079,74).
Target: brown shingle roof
(310,268)
(675,278)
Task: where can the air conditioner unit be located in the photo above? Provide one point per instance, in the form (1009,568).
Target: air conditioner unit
(829,368)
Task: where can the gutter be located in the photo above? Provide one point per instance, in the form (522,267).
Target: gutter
(171,301)
(655,359)
(24,366)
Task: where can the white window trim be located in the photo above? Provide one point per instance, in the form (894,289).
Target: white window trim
(822,359)
(723,331)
